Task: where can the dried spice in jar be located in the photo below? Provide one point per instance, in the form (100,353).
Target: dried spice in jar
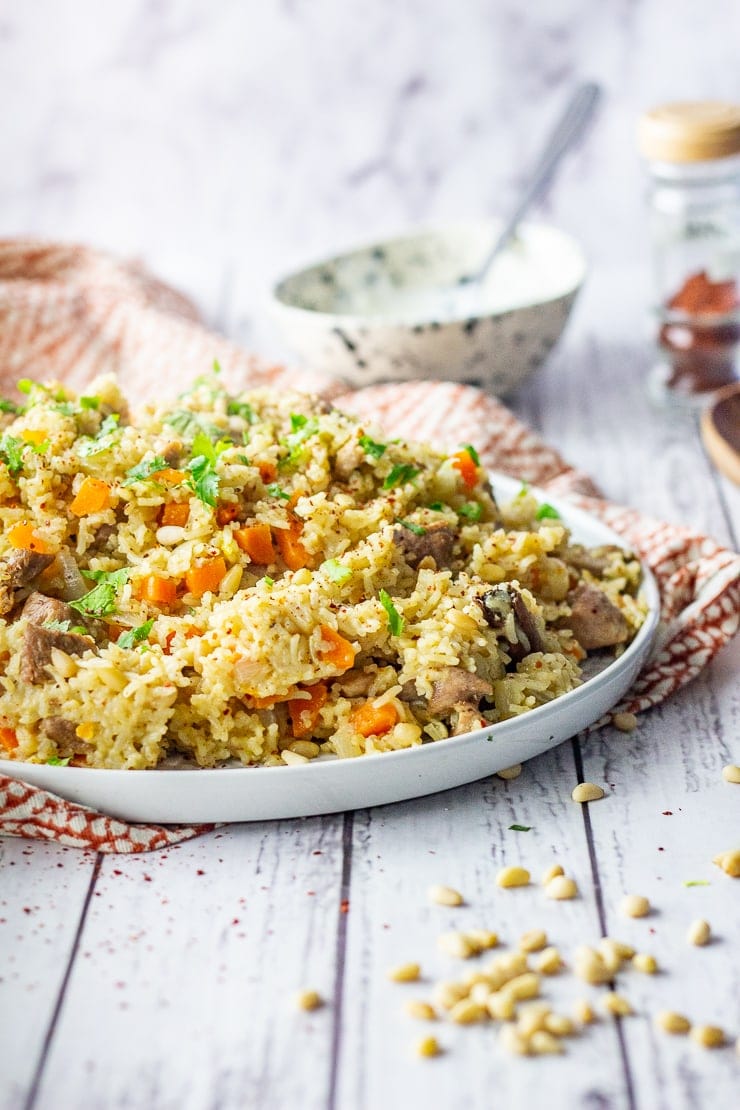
(693,151)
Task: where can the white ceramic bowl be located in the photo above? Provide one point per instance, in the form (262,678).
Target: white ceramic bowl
(375,314)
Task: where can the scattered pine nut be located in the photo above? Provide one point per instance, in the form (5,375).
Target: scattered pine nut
(508,966)
(549,961)
(480,993)
(501,1006)
(551,873)
(587,792)
(483,939)
(671,1022)
(510,772)
(562,888)
(532,1017)
(428,1046)
(293,759)
(445,895)
(645,963)
(708,1036)
(524,986)
(625,722)
(513,1041)
(308,1000)
(729,862)
(404,973)
(543,1043)
(534,940)
(731,773)
(559,1025)
(611,954)
(457,944)
(616,1004)
(634,905)
(699,932)
(466,1011)
(446,994)
(584,1012)
(512,876)
(590,966)
(420,1010)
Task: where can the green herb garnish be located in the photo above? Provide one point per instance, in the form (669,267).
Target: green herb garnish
(303,427)
(189,424)
(275,490)
(9,406)
(336,571)
(399,475)
(55,761)
(202,467)
(243,409)
(409,524)
(103,440)
(438,506)
(144,470)
(523,490)
(65,626)
(11,452)
(697,882)
(89,403)
(268,581)
(395,620)
(472,452)
(547,512)
(520,828)
(371,448)
(472,510)
(135,635)
(101,599)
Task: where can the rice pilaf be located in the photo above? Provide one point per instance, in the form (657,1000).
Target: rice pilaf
(265,579)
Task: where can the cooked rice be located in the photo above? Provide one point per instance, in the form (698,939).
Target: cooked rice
(223,675)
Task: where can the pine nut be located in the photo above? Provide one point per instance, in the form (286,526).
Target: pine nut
(510,772)
(513,1041)
(428,1046)
(230,582)
(444,895)
(446,994)
(420,1010)
(292,759)
(589,965)
(625,722)
(616,1004)
(634,905)
(731,773)
(501,1005)
(671,1022)
(404,973)
(549,961)
(480,992)
(308,1000)
(543,1043)
(624,951)
(532,1017)
(512,876)
(483,939)
(708,1036)
(456,944)
(584,1012)
(524,986)
(562,888)
(533,941)
(559,1025)
(699,932)
(306,748)
(645,963)
(509,966)
(466,1011)
(610,954)
(587,792)
(551,873)
(729,862)
(63,663)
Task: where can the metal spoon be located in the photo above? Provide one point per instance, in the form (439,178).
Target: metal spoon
(569,128)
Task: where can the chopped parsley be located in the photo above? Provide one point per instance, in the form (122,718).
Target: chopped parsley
(472,510)
(189,424)
(371,448)
(437,506)
(268,581)
(144,470)
(472,452)
(65,626)
(336,571)
(104,438)
(409,524)
(547,512)
(89,403)
(55,761)
(9,406)
(135,635)
(395,620)
(523,490)
(399,475)
(520,828)
(697,882)
(302,428)
(275,490)
(100,601)
(202,467)
(242,409)
(11,452)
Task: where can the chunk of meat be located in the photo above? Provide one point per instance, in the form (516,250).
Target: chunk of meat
(411,696)
(17,569)
(37,647)
(60,730)
(456,687)
(505,611)
(594,620)
(40,609)
(593,559)
(350,457)
(355,683)
(436,542)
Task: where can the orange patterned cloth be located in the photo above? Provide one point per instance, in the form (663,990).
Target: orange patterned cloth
(70,313)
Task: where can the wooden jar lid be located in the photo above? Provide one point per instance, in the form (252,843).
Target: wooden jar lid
(690,131)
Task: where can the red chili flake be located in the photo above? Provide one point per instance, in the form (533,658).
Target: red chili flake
(200,872)
(668,813)
(310,892)
(344,905)
(661,849)
(317,853)
(235,921)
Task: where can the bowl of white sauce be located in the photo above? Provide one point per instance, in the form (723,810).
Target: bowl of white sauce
(402,308)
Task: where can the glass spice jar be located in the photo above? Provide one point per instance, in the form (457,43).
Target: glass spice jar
(693,153)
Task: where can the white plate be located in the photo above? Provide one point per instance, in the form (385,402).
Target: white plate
(330,786)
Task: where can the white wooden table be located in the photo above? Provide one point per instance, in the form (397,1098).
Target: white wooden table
(165,981)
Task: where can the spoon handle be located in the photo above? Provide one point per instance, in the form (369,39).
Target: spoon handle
(567,130)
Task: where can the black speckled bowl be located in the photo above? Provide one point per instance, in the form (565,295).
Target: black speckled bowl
(371,315)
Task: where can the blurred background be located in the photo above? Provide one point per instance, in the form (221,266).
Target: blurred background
(227,141)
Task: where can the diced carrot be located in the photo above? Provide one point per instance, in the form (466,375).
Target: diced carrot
(8,739)
(169,476)
(255,540)
(465,463)
(156,590)
(176,513)
(22,536)
(304,712)
(205,577)
(293,552)
(114,630)
(92,497)
(226,513)
(370,720)
(335,649)
(34,435)
(268,471)
(268,702)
